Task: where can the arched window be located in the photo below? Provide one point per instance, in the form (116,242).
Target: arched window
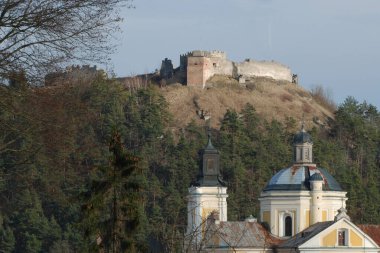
(288,226)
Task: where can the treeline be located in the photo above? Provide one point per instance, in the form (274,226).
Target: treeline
(98,168)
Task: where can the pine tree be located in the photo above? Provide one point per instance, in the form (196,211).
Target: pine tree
(116,201)
(7,238)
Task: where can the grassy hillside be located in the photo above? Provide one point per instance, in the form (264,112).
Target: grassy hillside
(270,98)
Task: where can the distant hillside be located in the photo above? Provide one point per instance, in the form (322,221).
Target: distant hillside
(56,165)
(271,99)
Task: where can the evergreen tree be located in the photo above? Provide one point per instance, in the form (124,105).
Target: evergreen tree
(115,200)
(7,238)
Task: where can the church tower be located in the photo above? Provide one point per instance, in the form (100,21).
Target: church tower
(302,194)
(302,148)
(207,195)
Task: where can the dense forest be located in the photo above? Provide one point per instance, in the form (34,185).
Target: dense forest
(96,167)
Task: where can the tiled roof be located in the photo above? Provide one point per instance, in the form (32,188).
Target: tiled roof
(372,231)
(306,234)
(243,234)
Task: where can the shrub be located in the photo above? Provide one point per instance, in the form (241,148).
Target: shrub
(323,97)
(286,97)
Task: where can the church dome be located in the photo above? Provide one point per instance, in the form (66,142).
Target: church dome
(299,177)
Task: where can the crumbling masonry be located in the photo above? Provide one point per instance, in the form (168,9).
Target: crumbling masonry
(198,66)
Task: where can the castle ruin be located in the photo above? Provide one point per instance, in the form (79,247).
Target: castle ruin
(166,71)
(73,74)
(198,66)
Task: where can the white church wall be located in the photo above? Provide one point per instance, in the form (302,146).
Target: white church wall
(298,202)
(201,202)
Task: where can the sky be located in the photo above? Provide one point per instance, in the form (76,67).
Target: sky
(331,43)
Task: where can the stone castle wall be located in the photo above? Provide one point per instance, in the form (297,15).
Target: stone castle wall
(202,65)
(73,74)
(198,71)
(271,69)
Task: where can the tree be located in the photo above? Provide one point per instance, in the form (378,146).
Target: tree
(32,225)
(114,213)
(38,35)
(356,130)
(7,238)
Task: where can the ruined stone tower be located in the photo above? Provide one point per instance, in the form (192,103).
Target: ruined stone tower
(198,66)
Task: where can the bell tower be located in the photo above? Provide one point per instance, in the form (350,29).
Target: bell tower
(302,148)
(210,169)
(207,195)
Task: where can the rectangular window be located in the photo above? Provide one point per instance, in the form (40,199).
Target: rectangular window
(307,157)
(342,240)
(210,166)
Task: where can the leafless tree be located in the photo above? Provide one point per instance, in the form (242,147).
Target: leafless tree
(37,36)
(207,231)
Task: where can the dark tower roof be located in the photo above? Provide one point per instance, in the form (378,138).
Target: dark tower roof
(210,167)
(302,137)
(316,177)
(210,149)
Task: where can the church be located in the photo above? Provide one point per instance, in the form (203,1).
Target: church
(302,209)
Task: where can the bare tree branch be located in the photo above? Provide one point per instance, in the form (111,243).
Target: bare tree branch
(37,36)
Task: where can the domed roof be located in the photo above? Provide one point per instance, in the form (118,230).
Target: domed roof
(298,178)
(316,177)
(302,137)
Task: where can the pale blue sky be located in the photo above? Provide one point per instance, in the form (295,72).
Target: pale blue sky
(333,43)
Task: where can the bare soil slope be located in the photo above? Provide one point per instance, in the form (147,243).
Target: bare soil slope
(271,99)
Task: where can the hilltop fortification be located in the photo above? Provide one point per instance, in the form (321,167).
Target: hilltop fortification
(73,74)
(198,66)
